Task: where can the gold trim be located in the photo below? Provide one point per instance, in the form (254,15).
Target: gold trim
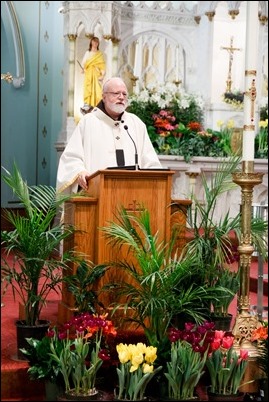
(250,72)
(210,15)
(248,166)
(72,37)
(7,77)
(263,19)
(197,19)
(249,127)
(252,94)
(233,13)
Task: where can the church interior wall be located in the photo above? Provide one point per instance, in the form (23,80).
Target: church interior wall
(202,65)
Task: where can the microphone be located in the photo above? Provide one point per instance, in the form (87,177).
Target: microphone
(136,154)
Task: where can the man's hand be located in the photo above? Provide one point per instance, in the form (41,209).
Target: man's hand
(82,179)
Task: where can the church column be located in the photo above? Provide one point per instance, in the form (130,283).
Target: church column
(71,61)
(112,54)
(115,53)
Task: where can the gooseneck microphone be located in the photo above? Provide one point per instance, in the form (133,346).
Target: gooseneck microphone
(136,154)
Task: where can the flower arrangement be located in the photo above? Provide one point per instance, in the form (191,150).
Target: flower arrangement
(136,370)
(168,113)
(189,348)
(82,351)
(226,367)
(260,337)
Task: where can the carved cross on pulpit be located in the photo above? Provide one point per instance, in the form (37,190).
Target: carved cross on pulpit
(134,207)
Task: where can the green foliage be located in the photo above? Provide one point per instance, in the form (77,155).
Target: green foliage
(41,364)
(33,243)
(81,285)
(158,286)
(184,370)
(230,281)
(211,241)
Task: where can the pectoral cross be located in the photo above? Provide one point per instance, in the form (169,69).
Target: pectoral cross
(230,49)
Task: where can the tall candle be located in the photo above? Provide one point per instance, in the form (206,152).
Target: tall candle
(177,63)
(252,31)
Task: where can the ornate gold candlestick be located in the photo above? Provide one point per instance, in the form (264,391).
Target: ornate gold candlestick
(245,323)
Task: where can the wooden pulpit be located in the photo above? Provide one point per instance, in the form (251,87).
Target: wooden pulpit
(108,190)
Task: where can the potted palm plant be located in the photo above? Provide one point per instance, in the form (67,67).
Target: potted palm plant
(156,286)
(33,245)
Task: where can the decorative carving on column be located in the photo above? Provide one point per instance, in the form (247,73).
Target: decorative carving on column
(233,13)
(112,38)
(197,19)
(263,19)
(210,15)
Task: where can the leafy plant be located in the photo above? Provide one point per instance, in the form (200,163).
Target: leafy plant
(81,285)
(186,365)
(158,286)
(41,364)
(35,270)
(230,280)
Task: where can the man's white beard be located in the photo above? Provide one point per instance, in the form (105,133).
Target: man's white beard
(117,108)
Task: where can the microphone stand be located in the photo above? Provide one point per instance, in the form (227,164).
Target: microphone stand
(136,154)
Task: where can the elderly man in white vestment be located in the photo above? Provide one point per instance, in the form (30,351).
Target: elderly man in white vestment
(106,137)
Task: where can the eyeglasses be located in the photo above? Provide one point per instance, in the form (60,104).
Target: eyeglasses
(117,94)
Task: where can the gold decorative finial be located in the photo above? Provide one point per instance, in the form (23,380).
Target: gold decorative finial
(233,13)
(7,77)
(210,15)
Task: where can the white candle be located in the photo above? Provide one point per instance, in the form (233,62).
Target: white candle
(252,31)
(177,63)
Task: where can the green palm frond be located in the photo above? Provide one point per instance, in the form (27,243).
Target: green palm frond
(34,239)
